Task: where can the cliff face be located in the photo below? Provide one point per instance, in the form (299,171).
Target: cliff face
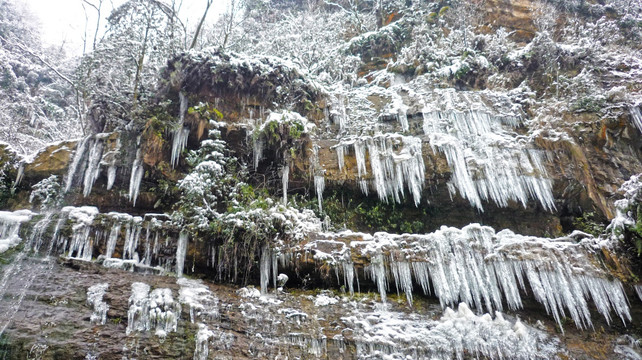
(456,175)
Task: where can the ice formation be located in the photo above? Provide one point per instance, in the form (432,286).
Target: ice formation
(638,290)
(155,311)
(93,166)
(95,294)
(181,251)
(80,245)
(481,268)
(180,135)
(319,186)
(285,178)
(73,167)
(10,226)
(396,163)
(136,177)
(203,305)
(456,335)
(203,337)
(488,162)
(636,115)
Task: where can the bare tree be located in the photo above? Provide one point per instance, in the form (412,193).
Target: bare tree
(200,24)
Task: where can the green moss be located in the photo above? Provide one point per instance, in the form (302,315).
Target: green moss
(589,223)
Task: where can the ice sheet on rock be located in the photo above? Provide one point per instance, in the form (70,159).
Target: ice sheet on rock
(95,294)
(396,164)
(203,336)
(152,311)
(10,227)
(202,303)
(457,334)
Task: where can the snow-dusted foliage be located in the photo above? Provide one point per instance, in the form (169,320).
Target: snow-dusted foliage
(36,104)
(46,192)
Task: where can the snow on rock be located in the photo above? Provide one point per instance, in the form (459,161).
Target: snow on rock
(481,268)
(249,292)
(324,300)
(95,295)
(458,333)
(625,216)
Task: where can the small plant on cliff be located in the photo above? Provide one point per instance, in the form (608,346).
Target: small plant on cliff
(589,224)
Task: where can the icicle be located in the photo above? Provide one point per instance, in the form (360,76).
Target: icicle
(265,267)
(486,270)
(203,305)
(111,176)
(319,185)
(181,251)
(93,166)
(636,115)
(257,146)
(285,179)
(638,290)
(341,156)
(19,175)
(132,235)
(178,144)
(95,294)
(136,178)
(392,170)
(113,238)
(78,155)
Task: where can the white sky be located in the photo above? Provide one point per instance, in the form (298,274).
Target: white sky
(63,21)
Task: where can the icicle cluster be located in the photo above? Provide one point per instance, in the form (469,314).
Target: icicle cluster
(482,268)
(180,135)
(488,162)
(95,295)
(136,177)
(456,335)
(92,153)
(80,245)
(155,311)
(396,163)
